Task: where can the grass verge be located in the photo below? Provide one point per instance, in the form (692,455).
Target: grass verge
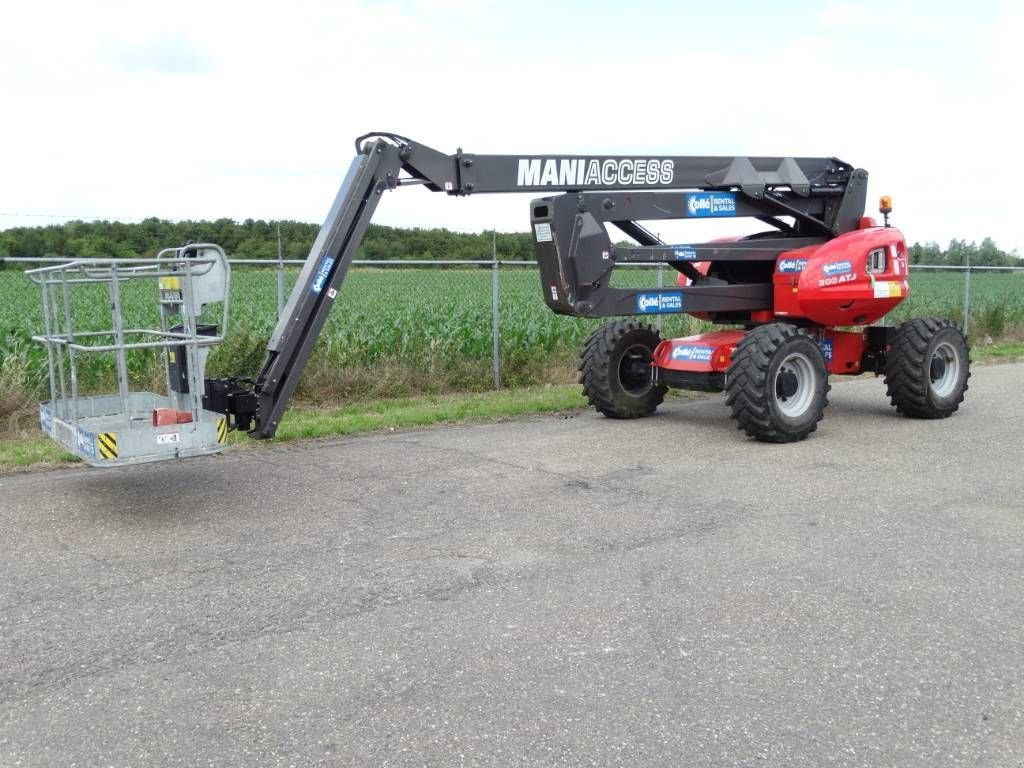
(1003,352)
(37,452)
(19,451)
(304,423)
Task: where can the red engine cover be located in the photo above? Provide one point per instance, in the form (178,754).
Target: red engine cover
(703,353)
(831,284)
(712,352)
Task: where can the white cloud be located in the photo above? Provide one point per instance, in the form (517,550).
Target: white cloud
(839,15)
(163,55)
(202,109)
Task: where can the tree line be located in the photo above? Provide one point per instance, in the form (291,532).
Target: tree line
(249,239)
(258,239)
(960,253)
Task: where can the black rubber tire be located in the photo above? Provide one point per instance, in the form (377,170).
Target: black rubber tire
(909,368)
(612,370)
(753,383)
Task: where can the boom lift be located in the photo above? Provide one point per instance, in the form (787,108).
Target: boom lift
(820,266)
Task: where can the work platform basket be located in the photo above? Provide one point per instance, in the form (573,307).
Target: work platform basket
(128,427)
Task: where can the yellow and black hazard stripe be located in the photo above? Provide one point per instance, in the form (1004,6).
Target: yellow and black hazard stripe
(107,443)
(222,430)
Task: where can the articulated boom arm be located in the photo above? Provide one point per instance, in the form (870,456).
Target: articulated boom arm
(465,173)
(823,196)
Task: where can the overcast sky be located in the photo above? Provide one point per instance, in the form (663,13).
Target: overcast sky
(123,110)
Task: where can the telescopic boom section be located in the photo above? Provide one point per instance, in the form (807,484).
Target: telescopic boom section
(823,196)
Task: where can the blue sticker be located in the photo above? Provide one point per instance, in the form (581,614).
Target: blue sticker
(655,303)
(322,274)
(687,252)
(46,419)
(87,443)
(792,265)
(711,204)
(826,349)
(837,268)
(692,353)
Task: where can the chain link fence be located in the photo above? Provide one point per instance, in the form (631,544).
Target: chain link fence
(436,325)
(406,327)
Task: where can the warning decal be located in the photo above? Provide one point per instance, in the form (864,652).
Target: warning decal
(107,444)
(887,289)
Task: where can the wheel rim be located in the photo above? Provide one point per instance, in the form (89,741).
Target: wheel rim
(944,369)
(635,370)
(794,384)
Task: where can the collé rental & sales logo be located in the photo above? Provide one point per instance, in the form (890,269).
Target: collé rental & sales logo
(826,349)
(837,268)
(787,266)
(655,303)
(710,204)
(322,273)
(693,353)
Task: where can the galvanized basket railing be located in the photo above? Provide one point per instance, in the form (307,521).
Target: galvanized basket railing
(110,429)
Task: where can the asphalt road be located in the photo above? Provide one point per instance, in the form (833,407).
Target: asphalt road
(550,591)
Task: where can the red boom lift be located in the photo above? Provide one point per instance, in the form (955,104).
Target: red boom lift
(799,297)
(796,301)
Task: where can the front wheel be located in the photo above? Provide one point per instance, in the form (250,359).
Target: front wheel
(777,384)
(927,368)
(615,370)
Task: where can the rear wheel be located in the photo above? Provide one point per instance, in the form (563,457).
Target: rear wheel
(615,370)
(777,385)
(927,368)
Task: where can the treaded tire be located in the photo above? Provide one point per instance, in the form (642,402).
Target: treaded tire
(927,368)
(768,362)
(615,370)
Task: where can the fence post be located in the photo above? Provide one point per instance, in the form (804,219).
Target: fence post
(661,284)
(280,275)
(967,293)
(495,338)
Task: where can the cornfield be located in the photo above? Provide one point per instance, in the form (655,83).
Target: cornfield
(395,331)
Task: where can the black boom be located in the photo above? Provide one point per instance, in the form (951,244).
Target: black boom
(822,198)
